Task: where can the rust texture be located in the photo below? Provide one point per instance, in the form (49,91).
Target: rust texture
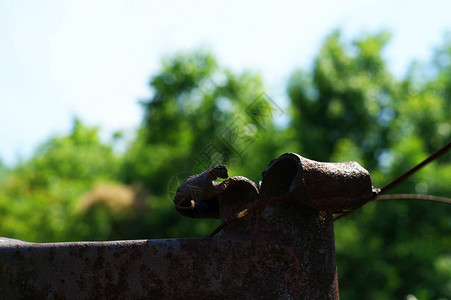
(284,250)
(150,269)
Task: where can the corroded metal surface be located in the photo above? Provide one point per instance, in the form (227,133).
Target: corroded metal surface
(333,187)
(308,231)
(283,250)
(152,269)
(196,196)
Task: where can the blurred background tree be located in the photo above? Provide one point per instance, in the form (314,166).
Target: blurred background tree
(348,106)
(358,111)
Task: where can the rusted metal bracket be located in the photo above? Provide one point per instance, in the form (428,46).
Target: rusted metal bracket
(283,250)
(332,187)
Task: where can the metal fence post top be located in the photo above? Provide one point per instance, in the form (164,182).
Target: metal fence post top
(324,186)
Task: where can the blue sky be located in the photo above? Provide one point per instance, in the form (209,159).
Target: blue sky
(93,59)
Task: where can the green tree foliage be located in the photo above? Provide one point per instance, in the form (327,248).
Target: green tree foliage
(348,106)
(3,171)
(199,115)
(38,199)
(345,99)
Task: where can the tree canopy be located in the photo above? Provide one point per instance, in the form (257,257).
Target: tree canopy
(346,106)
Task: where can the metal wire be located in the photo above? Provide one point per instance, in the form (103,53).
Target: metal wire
(414,197)
(376,196)
(404,176)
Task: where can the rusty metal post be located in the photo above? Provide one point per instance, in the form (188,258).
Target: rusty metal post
(284,250)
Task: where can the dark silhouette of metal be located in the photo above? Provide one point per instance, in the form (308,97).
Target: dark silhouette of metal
(282,248)
(403,177)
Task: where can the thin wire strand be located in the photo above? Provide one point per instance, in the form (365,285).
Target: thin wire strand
(376,196)
(403,177)
(407,174)
(414,197)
